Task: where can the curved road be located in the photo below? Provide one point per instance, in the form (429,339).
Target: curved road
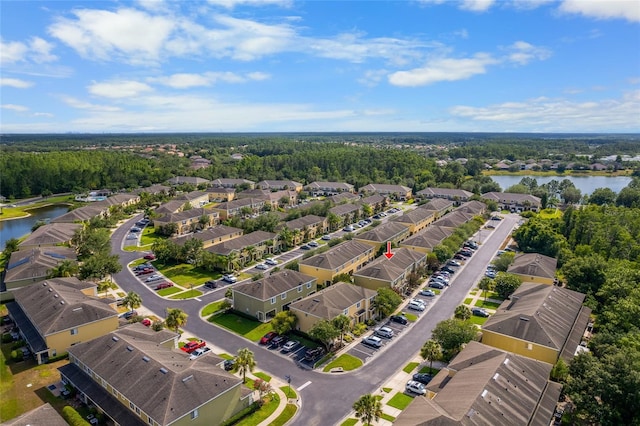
(326,399)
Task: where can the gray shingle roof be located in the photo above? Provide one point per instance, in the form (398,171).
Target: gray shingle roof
(185,215)
(236,244)
(385,232)
(209,234)
(343,209)
(445,192)
(474,207)
(162,382)
(301,222)
(338,255)
(58,304)
(486,386)
(36,262)
(429,237)
(333,300)
(538,313)
(437,204)
(273,285)
(391,269)
(453,219)
(50,234)
(415,216)
(534,264)
(44,415)
(172,206)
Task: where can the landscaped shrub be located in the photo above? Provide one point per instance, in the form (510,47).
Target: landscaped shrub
(58,358)
(242,414)
(6,338)
(16,355)
(73,417)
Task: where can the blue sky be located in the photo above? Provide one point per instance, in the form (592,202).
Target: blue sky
(276,66)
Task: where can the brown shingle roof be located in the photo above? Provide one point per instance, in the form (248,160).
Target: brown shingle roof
(429,237)
(338,255)
(44,415)
(236,244)
(274,284)
(391,269)
(535,265)
(333,300)
(415,216)
(209,234)
(49,235)
(385,232)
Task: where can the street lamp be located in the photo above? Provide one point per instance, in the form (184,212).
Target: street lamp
(289,385)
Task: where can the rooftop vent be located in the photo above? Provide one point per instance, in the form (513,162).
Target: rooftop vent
(186,379)
(62,303)
(44,284)
(163,370)
(316,300)
(129,348)
(74,309)
(50,289)
(524,319)
(484,393)
(115,338)
(145,358)
(55,295)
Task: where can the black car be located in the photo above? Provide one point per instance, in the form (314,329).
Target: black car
(437,284)
(423,378)
(400,319)
(229,364)
(448,269)
(312,354)
(479,312)
(211,284)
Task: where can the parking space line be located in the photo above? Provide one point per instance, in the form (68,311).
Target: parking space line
(199,300)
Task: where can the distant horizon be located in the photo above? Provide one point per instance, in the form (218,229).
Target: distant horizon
(323,133)
(288,66)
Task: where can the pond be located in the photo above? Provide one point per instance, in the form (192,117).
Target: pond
(17,228)
(586,184)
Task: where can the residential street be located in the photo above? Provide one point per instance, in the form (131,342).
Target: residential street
(325,398)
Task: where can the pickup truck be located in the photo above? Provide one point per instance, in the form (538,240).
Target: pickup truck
(189,347)
(312,354)
(199,352)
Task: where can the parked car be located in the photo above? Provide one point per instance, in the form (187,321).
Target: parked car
(211,284)
(229,278)
(415,387)
(150,256)
(479,312)
(453,263)
(132,237)
(271,261)
(348,228)
(313,244)
(145,271)
(262,267)
(448,269)
(423,378)
(415,306)
(193,345)
(442,278)
(146,322)
(305,247)
(267,338)
(130,314)
(288,347)
(163,285)
(426,292)
(385,332)
(326,237)
(400,319)
(312,354)
(490,274)
(372,341)
(436,284)
(153,278)
(199,352)
(229,364)
(496,218)
(135,229)
(278,340)
(459,256)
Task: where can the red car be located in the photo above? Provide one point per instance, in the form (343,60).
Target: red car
(193,345)
(163,285)
(146,322)
(150,256)
(267,338)
(145,271)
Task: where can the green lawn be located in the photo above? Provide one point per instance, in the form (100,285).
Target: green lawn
(349,422)
(187,294)
(550,214)
(478,320)
(400,401)
(286,415)
(386,390)
(387,417)
(494,295)
(251,329)
(259,416)
(168,291)
(411,317)
(149,236)
(490,305)
(212,308)
(186,275)
(346,361)
(290,393)
(426,369)
(467,300)
(263,376)
(410,367)
(473,293)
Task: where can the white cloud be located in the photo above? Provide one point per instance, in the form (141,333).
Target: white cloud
(129,35)
(119,89)
(372,78)
(522,53)
(476,5)
(230,4)
(78,104)
(43,114)
(35,50)
(15,82)
(610,9)
(187,80)
(13,107)
(443,69)
(560,115)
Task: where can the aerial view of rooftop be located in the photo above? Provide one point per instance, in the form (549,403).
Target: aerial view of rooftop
(320,213)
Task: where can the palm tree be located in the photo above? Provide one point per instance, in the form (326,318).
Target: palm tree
(334,221)
(233,261)
(342,324)
(66,268)
(132,300)
(176,318)
(486,284)
(462,313)
(431,351)
(245,362)
(368,408)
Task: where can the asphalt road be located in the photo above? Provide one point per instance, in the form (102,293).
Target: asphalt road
(325,398)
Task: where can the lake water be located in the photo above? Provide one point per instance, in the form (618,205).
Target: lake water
(586,184)
(17,228)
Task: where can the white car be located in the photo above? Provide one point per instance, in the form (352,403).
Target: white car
(271,261)
(385,332)
(426,292)
(373,341)
(413,305)
(288,347)
(229,278)
(199,352)
(262,266)
(415,387)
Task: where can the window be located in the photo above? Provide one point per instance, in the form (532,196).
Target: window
(273,300)
(194,414)
(529,346)
(358,305)
(74,331)
(308,285)
(149,420)
(283,296)
(137,410)
(346,311)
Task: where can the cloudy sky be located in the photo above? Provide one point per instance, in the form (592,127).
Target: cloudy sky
(284,65)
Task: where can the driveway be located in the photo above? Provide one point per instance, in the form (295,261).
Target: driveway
(325,398)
